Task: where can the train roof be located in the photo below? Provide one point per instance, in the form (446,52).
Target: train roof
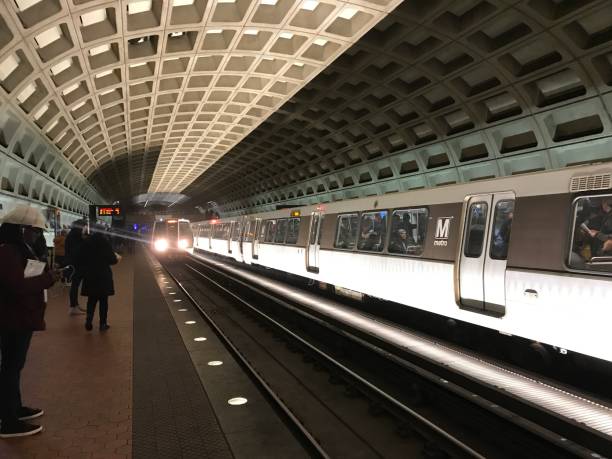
(567,180)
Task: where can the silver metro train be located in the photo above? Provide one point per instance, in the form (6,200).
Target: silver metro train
(528,255)
(171,236)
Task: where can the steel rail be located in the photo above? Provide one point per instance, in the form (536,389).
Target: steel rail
(307,300)
(312,442)
(384,395)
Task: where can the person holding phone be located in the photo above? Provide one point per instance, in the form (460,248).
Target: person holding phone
(23,283)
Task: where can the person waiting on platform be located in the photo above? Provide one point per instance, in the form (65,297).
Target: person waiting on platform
(74,244)
(95,259)
(59,245)
(23,283)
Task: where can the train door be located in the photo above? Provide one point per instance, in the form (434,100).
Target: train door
(229,236)
(243,228)
(482,268)
(255,229)
(312,251)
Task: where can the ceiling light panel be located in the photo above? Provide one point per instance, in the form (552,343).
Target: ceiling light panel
(210,70)
(93,17)
(25,4)
(139,6)
(8,66)
(48,36)
(60,67)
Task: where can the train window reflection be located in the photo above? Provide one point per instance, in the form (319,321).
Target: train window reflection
(346,231)
(185,230)
(502,224)
(263,228)
(592,235)
(293,230)
(236,231)
(270,230)
(281,231)
(408,231)
(249,231)
(373,231)
(475,233)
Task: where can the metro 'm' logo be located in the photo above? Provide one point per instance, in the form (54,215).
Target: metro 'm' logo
(442,228)
(442,231)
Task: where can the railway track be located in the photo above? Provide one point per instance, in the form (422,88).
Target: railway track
(422,410)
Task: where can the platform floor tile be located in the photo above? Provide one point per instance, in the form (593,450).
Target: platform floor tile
(82,380)
(173,417)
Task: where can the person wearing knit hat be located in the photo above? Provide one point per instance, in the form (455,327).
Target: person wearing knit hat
(23,283)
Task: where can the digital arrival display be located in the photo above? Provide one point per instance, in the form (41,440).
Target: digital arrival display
(109,211)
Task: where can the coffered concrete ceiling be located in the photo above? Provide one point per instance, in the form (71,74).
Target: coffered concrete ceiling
(181,81)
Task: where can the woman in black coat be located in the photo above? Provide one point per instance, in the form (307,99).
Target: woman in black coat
(95,260)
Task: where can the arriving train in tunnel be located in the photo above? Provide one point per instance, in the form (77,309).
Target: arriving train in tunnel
(171,235)
(528,255)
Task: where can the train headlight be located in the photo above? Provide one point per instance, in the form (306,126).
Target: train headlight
(183,244)
(161,245)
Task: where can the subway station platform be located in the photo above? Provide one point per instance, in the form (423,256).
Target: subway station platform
(145,388)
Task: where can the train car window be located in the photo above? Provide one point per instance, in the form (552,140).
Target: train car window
(248,232)
(236,231)
(293,231)
(281,231)
(346,231)
(373,231)
(591,247)
(263,229)
(270,231)
(251,233)
(502,224)
(159,229)
(185,230)
(408,231)
(475,232)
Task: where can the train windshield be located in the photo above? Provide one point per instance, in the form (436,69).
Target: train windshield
(165,229)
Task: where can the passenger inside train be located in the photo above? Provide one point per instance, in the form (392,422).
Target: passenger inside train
(400,242)
(347,231)
(592,241)
(373,231)
(504,214)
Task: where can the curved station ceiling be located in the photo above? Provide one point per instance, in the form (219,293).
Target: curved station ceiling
(177,82)
(255,103)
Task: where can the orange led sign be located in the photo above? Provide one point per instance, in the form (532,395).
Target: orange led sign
(109,211)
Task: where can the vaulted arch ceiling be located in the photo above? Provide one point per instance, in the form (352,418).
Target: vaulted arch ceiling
(204,97)
(438,92)
(185,78)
